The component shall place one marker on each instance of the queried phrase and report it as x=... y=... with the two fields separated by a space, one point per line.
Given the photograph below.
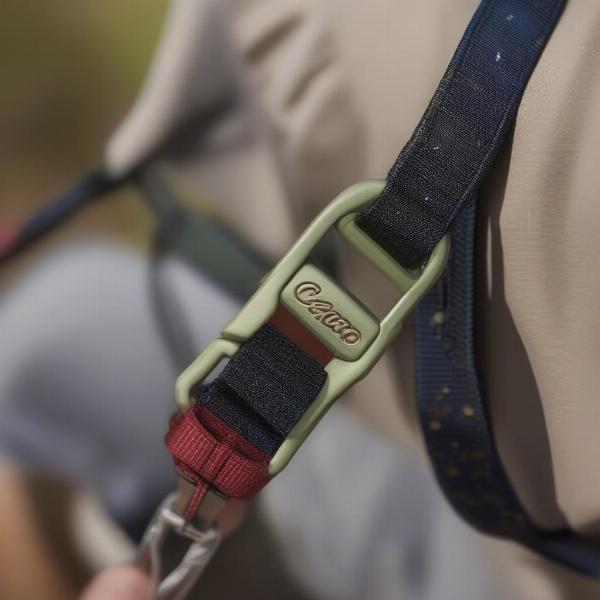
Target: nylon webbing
x=17 y=237
x=454 y=418
x=439 y=171
x=462 y=129
x=265 y=388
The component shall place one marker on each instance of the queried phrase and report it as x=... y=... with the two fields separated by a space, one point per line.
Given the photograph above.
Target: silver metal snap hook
x=203 y=544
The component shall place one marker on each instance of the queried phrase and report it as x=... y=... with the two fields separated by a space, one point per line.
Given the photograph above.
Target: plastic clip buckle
x=355 y=337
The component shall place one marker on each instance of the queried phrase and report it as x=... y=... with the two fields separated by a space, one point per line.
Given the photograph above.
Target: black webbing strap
x=462 y=129
x=265 y=388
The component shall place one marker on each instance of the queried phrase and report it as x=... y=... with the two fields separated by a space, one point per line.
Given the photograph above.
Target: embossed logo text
x=325 y=312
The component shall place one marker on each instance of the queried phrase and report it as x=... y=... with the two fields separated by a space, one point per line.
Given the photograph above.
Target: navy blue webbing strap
x=455 y=423
x=91 y=186
x=462 y=129
x=436 y=175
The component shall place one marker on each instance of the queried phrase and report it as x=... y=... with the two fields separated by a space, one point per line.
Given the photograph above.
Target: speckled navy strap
x=462 y=129
x=455 y=421
x=436 y=178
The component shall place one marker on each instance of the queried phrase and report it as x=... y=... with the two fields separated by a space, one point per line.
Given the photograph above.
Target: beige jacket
x=338 y=87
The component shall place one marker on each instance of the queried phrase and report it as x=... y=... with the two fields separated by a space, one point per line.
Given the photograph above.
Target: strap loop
x=208 y=451
x=454 y=145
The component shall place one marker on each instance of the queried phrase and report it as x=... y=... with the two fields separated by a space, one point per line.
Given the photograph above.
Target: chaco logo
x=324 y=311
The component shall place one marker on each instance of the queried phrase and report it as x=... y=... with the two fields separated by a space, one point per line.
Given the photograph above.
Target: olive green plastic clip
x=341 y=322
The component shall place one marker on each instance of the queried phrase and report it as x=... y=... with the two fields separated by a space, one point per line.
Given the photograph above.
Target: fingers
x=124 y=583
x=130 y=583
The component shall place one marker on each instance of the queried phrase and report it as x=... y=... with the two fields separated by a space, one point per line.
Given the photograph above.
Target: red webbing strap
x=287 y=323
x=210 y=453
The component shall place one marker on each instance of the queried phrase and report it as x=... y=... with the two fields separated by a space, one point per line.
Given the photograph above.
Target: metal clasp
x=344 y=369
x=203 y=544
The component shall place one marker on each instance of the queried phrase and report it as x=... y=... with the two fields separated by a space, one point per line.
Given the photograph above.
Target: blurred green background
x=70 y=72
